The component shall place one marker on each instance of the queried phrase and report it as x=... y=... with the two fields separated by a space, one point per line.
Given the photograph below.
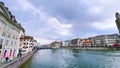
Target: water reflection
x=66 y=58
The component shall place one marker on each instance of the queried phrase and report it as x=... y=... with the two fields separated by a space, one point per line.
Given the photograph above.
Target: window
x=0 y=52
x=1 y=10
x=24 y=43
x=0 y=22
x=4 y=30
x=7 y=42
x=12 y=43
x=1 y=42
x=31 y=43
x=15 y=43
x=3 y=34
x=9 y=35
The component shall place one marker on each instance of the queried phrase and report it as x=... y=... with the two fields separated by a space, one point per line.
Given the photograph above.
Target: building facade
x=9 y=33
x=74 y=42
x=35 y=43
x=105 y=40
x=27 y=44
x=55 y=44
x=86 y=42
x=66 y=43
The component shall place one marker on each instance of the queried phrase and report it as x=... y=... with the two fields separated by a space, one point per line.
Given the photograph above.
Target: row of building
x=12 y=36
x=96 y=41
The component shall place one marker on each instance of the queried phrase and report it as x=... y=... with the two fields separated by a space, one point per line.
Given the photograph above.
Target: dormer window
x=1 y=3
x=13 y=18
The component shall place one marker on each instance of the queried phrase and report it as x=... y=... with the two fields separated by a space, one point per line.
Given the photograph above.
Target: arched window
x=10 y=53
x=13 y=53
x=5 y=54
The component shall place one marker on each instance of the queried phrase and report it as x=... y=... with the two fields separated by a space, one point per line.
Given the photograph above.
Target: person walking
x=6 y=59
x=11 y=58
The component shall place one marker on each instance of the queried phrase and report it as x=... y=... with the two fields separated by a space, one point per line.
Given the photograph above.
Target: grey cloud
x=66 y=11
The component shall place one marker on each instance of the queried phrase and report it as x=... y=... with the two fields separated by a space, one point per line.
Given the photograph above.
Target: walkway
x=3 y=63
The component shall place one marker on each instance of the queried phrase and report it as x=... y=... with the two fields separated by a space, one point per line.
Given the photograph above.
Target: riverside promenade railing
x=19 y=61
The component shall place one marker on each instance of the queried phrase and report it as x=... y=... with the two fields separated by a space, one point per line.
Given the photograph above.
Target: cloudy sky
x=49 y=20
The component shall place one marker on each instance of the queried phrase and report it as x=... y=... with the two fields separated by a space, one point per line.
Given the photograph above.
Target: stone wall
x=19 y=61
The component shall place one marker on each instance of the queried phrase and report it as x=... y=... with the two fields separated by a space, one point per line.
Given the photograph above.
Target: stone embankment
x=94 y=48
x=19 y=61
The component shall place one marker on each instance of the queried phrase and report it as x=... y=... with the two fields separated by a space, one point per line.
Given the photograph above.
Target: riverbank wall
x=19 y=61
x=94 y=48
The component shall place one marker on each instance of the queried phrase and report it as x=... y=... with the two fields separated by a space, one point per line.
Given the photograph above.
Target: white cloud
x=95 y=10
x=101 y=6
x=106 y=10
x=86 y=35
x=45 y=27
x=105 y=24
x=52 y=25
x=62 y=29
x=44 y=41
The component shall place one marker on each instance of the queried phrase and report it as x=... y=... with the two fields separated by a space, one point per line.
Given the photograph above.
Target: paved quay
x=3 y=63
x=17 y=62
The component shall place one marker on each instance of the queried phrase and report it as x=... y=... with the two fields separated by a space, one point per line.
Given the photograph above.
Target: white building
x=107 y=40
x=66 y=42
x=9 y=33
x=55 y=44
x=27 y=44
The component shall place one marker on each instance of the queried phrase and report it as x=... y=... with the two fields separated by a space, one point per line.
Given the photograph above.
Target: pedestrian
x=6 y=59
x=20 y=55
x=17 y=55
x=11 y=58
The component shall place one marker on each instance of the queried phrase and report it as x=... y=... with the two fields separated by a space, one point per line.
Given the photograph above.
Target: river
x=66 y=58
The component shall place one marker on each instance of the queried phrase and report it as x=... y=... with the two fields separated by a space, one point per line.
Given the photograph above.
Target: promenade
x=2 y=64
x=14 y=59
x=16 y=62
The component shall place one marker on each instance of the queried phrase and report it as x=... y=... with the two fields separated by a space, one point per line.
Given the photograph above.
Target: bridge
x=44 y=47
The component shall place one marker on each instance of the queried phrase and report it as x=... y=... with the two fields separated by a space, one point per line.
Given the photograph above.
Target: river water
x=66 y=58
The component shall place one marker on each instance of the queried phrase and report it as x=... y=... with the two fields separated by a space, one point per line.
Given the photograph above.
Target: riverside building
x=105 y=40
x=55 y=44
x=35 y=43
x=27 y=44
x=66 y=43
x=10 y=32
